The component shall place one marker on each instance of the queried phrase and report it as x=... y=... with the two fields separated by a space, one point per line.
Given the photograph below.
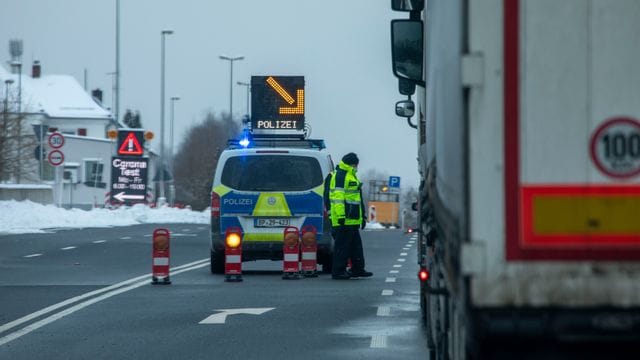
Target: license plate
x=263 y=222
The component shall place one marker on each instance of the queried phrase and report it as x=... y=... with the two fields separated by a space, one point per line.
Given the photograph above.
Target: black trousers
x=348 y=245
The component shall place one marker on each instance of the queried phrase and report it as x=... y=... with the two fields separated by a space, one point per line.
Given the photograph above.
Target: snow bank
x=374 y=226
x=19 y=217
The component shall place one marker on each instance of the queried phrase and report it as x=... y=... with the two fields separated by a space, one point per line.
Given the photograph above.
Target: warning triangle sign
x=130 y=146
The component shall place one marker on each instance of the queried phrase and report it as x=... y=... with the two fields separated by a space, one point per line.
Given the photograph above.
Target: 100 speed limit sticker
x=615 y=147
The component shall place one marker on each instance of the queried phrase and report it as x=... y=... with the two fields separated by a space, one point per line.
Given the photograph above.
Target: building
x=45 y=104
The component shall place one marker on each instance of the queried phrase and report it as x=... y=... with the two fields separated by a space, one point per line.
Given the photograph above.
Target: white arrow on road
x=221 y=317
x=122 y=197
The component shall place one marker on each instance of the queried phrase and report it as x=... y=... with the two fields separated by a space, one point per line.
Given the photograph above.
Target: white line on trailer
x=387 y=292
x=378 y=341
x=109 y=290
x=383 y=311
x=32 y=255
x=390 y=279
x=68 y=248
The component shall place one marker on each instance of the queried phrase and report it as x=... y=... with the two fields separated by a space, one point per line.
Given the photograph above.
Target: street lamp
x=162 y=198
x=248 y=86
x=172 y=187
x=231 y=60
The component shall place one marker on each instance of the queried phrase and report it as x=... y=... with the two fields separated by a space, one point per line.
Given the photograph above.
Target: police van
x=263 y=185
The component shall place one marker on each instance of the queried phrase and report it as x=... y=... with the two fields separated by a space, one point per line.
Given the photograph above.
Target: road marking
x=221 y=317
x=411 y=242
x=403 y=254
x=178 y=235
x=390 y=279
x=378 y=341
x=148 y=235
x=393 y=272
x=383 y=311
x=187 y=230
x=402 y=260
x=32 y=255
x=387 y=292
x=68 y=248
x=100 y=241
x=109 y=290
x=397 y=265
x=406 y=248
x=125 y=238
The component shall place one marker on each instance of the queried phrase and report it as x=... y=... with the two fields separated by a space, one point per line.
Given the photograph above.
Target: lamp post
x=172 y=187
x=17 y=68
x=248 y=86
x=163 y=34
x=231 y=60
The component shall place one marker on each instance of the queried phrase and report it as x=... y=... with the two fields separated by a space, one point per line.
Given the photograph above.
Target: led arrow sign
x=272 y=105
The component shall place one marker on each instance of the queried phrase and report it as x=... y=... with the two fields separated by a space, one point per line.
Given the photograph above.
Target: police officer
x=347 y=216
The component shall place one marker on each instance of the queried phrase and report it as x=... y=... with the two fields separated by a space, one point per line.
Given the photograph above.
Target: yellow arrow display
x=298 y=109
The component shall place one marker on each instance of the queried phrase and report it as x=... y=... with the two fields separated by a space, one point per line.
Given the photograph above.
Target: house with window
x=58 y=103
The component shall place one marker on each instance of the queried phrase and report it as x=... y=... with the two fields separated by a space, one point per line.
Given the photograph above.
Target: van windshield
x=272 y=173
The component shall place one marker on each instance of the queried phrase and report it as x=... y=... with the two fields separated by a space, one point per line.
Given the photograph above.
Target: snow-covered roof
x=57 y=96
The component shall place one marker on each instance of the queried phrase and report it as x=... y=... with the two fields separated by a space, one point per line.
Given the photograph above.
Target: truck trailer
x=528 y=131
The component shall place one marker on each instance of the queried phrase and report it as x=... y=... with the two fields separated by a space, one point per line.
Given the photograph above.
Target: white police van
x=263 y=185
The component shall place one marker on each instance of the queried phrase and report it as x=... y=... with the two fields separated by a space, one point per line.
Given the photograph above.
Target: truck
x=383 y=203
x=528 y=131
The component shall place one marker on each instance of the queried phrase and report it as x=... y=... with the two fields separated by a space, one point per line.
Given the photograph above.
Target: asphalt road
x=78 y=294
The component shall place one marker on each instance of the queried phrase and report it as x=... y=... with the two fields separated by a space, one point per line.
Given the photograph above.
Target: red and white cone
x=291 y=254
x=160 y=257
x=309 y=251
x=233 y=254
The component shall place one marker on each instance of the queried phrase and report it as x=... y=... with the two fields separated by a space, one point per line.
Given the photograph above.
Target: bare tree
x=197 y=158
x=17 y=145
x=409 y=196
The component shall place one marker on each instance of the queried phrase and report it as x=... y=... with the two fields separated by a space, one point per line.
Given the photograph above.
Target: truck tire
x=217 y=263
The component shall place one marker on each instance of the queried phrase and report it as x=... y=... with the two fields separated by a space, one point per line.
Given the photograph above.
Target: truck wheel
x=217 y=263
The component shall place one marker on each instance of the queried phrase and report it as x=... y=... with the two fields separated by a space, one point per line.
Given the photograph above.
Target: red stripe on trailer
x=515 y=206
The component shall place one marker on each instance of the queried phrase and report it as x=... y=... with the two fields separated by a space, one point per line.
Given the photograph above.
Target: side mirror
x=406 y=87
x=407 y=50
x=405 y=108
x=414 y=206
x=407 y=5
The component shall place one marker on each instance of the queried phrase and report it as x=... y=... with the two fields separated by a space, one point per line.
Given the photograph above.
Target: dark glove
x=341 y=222
x=363 y=224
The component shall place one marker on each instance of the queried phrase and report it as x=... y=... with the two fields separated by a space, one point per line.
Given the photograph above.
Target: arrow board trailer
x=277 y=105
x=529 y=154
x=129 y=178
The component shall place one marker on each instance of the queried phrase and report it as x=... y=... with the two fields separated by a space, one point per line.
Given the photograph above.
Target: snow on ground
x=20 y=217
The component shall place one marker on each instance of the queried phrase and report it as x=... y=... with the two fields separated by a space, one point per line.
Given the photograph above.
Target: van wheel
x=217 y=263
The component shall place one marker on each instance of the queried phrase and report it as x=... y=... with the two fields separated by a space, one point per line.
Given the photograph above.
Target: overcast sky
x=341 y=47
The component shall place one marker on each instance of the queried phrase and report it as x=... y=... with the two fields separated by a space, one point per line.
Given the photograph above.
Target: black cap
x=350 y=159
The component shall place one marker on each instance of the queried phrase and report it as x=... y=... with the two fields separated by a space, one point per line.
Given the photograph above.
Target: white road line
x=177 y=270
x=390 y=279
x=397 y=265
x=125 y=238
x=403 y=254
x=100 y=241
x=411 y=242
x=387 y=292
x=148 y=235
x=402 y=260
x=32 y=255
x=186 y=230
x=393 y=272
x=378 y=341
x=383 y=311
x=68 y=248
x=406 y=248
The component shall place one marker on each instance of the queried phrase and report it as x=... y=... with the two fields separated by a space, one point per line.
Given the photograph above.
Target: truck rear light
x=423 y=275
x=215 y=205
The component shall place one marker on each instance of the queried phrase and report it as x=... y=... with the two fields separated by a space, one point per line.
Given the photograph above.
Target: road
x=75 y=294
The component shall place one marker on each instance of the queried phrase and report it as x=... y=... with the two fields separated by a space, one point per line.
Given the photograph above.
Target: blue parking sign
x=394 y=181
